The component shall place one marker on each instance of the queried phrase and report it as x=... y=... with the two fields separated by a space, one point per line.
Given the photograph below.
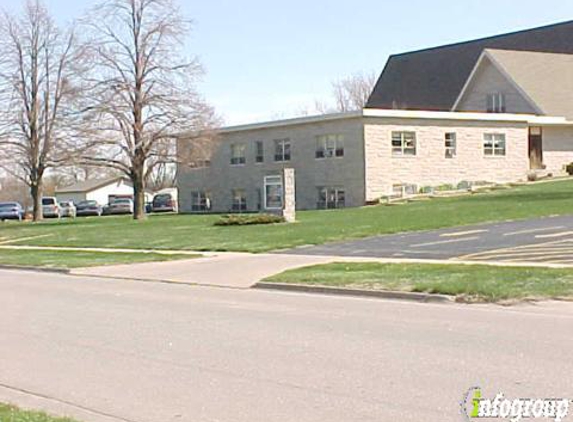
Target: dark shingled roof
x=432 y=79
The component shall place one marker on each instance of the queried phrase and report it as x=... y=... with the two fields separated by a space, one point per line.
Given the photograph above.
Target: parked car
x=50 y=207
x=11 y=211
x=164 y=202
x=68 y=209
x=89 y=208
x=121 y=206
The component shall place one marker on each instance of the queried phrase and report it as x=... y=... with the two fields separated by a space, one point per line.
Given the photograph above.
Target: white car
x=50 y=207
x=121 y=206
x=68 y=209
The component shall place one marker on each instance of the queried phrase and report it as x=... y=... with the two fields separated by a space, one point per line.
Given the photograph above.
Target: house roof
x=432 y=79
x=546 y=79
x=91 y=185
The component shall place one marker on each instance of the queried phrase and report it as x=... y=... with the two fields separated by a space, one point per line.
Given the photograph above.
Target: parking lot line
x=547 y=236
x=463 y=233
x=500 y=251
x=544 y=229
x=441 y=242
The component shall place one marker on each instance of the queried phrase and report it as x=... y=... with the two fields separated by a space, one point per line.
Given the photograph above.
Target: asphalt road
x=548 y=239
x=107 y=350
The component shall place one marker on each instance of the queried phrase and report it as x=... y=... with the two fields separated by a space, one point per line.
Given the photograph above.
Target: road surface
x=106 y=350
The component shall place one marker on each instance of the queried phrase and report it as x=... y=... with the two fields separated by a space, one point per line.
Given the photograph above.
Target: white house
x=102 y=190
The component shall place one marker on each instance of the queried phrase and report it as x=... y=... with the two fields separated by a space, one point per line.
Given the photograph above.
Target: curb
x=35 y=269
x=382 y=294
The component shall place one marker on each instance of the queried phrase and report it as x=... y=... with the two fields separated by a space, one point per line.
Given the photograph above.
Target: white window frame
x=329 y=146
x=203 y=203
x=336 y=192
x=242 y=203
x=282 y=144
x=498 y=144
x=403 y=138
x=273 y=180
x=450 y=145
x=495 y=102
x=241 y=158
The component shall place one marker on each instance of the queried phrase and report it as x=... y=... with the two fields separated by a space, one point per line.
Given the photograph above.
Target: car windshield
x=8 y=205
x=87 y=203
x=162 y=199
x=121 y=201
x=48 y=201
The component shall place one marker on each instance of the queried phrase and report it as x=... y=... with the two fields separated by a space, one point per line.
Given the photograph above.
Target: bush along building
x=495 y=109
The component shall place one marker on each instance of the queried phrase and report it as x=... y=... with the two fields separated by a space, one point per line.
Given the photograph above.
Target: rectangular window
x=329 y=146
x=259 y=152
x=282 y=150
x=403 y=190
x=273 y=192
x=239 y=200
x=450 y=145
x=330 y=197
x=494 y=144
x=200 y=201
x=496 y=103
x=403 y=143
x=238 y=156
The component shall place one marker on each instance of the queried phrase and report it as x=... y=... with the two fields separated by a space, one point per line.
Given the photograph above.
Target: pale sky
x=266 y=59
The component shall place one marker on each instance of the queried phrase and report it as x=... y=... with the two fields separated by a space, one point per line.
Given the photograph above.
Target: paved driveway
x=117 y=351
x=542 y=240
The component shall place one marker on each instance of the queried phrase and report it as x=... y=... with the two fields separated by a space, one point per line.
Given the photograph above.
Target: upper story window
x=450 y=145
x=496 y=102
x=259 y=152
x=403 y=143
x=282 y=150
x=494 y=144
x=238 y=155
x=329 y=146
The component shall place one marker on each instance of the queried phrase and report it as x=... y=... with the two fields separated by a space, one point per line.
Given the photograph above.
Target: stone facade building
x=507 y=111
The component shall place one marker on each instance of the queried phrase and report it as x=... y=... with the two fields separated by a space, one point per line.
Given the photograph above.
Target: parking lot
x=542 y=240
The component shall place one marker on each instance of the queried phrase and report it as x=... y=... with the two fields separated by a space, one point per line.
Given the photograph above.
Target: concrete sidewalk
x=243 y=270
x=238 y=270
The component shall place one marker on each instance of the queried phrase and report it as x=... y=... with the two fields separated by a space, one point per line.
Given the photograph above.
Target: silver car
x=11 y=211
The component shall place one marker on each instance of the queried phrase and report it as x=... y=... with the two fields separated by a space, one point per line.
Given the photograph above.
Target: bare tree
x=38 y=68
x=143 y=88
x=352 y=93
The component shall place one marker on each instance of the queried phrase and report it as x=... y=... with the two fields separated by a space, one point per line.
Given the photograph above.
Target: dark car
x=11 y=211
x=164 y=202
x=89 y=208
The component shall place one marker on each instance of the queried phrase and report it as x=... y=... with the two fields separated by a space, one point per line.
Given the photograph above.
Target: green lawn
x=473 y=283
x=72 y=259
x=197 y=232
x=13 y=414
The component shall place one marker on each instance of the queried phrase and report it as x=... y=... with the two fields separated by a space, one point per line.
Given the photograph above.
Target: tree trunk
x=138 y=195
x=36 y=192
